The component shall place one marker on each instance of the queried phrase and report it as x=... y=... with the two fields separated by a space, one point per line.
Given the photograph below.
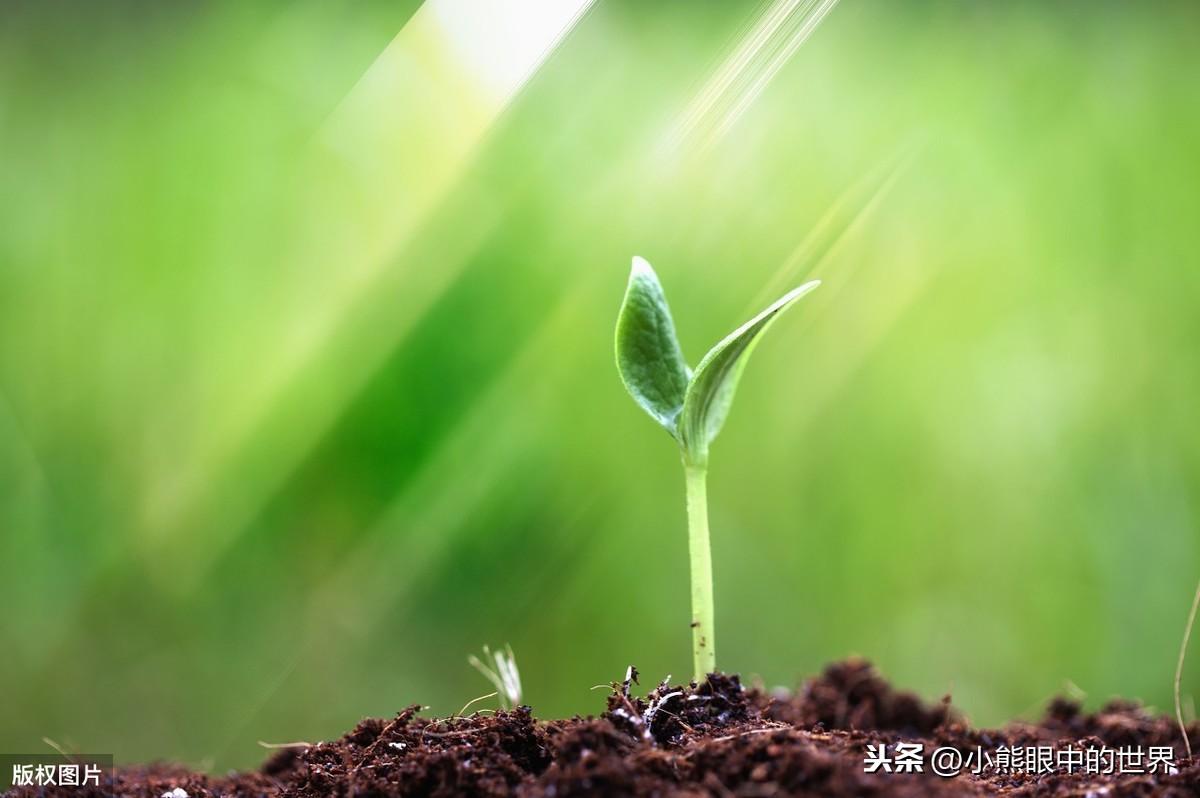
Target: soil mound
x=844 y=733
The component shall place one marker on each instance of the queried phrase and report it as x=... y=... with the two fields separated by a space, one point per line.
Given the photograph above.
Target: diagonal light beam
x=425 y=518
x=832 y=230
x=752 y=64
x=384 y=160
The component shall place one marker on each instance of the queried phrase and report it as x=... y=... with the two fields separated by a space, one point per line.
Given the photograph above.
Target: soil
x=719 y=739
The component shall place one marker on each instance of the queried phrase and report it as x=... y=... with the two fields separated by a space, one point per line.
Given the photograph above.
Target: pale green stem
x=701 y=559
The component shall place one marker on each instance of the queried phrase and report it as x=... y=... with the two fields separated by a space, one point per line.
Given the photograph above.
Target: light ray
x=383 y=161
x=423 y=521
x=831 y=231
x=752 y=64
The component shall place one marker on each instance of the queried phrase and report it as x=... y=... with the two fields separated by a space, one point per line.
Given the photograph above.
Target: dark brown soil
x=719 y=739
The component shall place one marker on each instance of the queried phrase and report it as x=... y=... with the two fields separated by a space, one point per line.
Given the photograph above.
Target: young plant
x=691 y=406
x=502 y=673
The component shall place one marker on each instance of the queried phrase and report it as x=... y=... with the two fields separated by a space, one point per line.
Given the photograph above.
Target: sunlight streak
x=426 y=519
x=380 y=166
x=752 y=64
x=832 y=230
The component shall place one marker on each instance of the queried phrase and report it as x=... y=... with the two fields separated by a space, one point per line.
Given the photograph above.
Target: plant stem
x=700 y=553
x=1187 y=632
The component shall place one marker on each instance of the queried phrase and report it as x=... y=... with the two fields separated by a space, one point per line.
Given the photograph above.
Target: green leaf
x=710 y=390
x=648 y=354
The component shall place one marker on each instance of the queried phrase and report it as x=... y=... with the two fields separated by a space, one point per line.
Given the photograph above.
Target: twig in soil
x=297 y=744
x=1187 y=632
x=455 y=733
x=771 y=730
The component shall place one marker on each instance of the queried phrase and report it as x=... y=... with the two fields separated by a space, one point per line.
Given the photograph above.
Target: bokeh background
x=306 y=375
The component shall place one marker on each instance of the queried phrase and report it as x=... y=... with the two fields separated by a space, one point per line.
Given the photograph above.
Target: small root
x=1187 y=633
x=463 y=711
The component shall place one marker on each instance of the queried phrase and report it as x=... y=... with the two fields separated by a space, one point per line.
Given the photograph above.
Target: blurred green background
x=303 y=401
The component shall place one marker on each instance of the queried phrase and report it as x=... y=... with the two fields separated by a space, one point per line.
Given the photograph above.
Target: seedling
x=502 y=672
x=691 y=406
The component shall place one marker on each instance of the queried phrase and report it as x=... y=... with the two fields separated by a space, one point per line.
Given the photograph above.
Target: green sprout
x=500 y=668
x=691 y=406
